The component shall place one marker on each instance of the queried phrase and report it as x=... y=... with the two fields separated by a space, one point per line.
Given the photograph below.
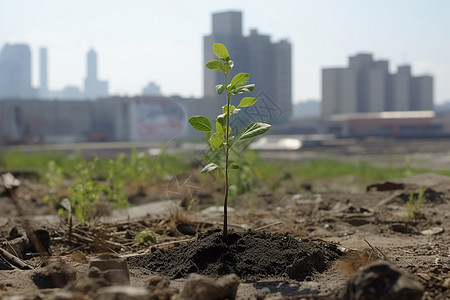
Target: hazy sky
x=138 y=41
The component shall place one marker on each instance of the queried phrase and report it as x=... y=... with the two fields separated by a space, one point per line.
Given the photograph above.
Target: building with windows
x=367 y=86
x=15 y=72
x=268 y=63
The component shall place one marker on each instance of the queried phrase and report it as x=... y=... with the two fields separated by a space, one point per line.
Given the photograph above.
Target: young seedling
x=414 y=203
x=221 y=137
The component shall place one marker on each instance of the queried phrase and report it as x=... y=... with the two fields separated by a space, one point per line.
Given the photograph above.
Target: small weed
x=85 y=192
x=414 y=203
x=115 y=188
x=407 y=171
x=145 y=237
x=53 y=177
x=139 y=168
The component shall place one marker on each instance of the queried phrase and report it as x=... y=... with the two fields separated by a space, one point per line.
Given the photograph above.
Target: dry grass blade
x=376 y=250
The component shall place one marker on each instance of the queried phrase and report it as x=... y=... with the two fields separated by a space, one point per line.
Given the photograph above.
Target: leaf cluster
x=222 y=136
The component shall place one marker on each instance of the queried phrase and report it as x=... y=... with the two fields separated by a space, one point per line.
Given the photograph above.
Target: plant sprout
x=221 y=137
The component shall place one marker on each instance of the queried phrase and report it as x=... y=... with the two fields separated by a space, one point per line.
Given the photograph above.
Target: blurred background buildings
x=268 y=63
x=367 y=85
x=362 y=99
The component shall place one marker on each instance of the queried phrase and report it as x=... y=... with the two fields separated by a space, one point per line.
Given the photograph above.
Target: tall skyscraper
x=94 y=88
x=15 y=72
x=367 y=86
x=43 y=75
x=92 y=65
x=268 y=63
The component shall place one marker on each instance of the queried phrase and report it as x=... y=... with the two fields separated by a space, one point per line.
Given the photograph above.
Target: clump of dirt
x=250 y=255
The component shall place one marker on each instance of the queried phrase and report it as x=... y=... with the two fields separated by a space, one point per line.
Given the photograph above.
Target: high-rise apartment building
x=43 y=74
x=422 y=93
x=268 y=63
x=15 y=72
x=367 y=86
x=94 y=88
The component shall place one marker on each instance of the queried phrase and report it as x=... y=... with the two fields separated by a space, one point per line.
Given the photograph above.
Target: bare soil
x=302 y=245
x=249 y=254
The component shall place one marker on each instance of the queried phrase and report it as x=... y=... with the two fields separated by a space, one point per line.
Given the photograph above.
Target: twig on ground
x=158 y=246
x=268 y=225
x=14 y=260
x=389 y=199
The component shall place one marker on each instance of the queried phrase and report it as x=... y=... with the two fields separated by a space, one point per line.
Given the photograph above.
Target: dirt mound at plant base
x=249 y=254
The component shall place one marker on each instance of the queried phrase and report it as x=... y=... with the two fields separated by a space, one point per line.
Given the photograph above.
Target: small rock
x=110 y=267
x=88 y=286
x=57 y=274
x=199 y=287
x=158 y=287
x=43 y=238
x=432 y=231
x=187 y=229
x=8 y=181
x=382 y=281
x=124 y=292
x=403 y=228
x=79 y=256
x=94 y=272
x=157 y=281
x=385 y=186
x=14 y=233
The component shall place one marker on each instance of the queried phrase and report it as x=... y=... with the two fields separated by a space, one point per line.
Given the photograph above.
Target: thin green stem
x=227 y=148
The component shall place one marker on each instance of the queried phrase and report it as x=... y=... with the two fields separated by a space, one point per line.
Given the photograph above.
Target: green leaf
x=226 y=67
x=221 y=119
x=243 y=89
x=224 y=108
x=239 y=80
x=220 y=88
x=216 y=140
x=221 y=52
x=209 y=168
x=234 y=166
x=200 y=123
x=65 y=203
x=219 y=126
x=214 y=65
x=254 y=129
x=247 y=101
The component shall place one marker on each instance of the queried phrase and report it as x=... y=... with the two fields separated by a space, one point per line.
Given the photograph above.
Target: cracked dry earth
x=295 y=246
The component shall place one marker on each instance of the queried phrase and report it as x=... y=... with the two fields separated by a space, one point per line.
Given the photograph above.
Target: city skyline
x=142 y=41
